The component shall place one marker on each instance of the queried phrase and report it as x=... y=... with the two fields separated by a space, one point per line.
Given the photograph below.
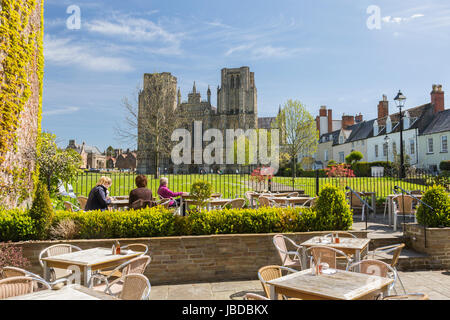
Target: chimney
x=330 y=121
x=347 y=121
x=383 y=108
x=359 y=118
x=323 y=111
x=318 y=123
x=437 y=98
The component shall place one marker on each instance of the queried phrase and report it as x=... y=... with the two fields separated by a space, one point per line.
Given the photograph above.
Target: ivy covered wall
x=21 y=83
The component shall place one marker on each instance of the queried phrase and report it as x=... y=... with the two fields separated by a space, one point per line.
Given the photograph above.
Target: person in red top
x=165 y=193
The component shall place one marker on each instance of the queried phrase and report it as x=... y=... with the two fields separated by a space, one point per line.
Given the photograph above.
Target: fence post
x=317 y=183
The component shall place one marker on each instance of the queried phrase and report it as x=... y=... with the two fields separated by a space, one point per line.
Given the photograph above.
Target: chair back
x=136 y=265
x=9 y=272
x=254 y=296
x=54 y=251
x=216 y=195
x=135 y=287
x=235 y=203
x=404 y=204
x=163 y=202
x=268 y=273
x=82 y=201
x=293 y=194
x=18 y=286
x=375 y=268
x=68 y=206
x=411 y=296
x=396 y=255
x=280 y=245
x=355 y=201
x=141 y=204
x=137 y=247
x=327 y=255
x=264 y=202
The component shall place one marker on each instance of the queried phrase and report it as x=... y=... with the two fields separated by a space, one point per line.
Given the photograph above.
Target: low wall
x=437 y=245
x=193 y=259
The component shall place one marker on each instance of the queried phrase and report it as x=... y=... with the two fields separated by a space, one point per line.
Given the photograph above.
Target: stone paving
x=434 y=283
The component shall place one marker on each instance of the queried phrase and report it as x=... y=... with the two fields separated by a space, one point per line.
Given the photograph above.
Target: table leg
x=46 y=271
x=374 y=205
x=390 y=210
x=87 y=272
x=273 y=295
x=358 y=259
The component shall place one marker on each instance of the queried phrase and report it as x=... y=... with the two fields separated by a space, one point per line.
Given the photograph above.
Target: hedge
x=157 y=222
x=437 y=198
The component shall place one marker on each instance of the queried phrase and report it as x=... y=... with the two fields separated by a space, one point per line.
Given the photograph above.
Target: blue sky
x=320 y=52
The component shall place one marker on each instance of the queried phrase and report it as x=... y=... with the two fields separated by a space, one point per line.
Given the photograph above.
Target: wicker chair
x=397 y=250
x=82 y=201
x=137 y=247
x=310 y=203
x=290 y=259
x=250 y=199
x=57 y=249
x=329 y=255
x=403 y=206
x=411 y=296
x=135 y=287
x=112 y=283
x=216 y=195
x=18 y=286
x=163 y=202
x=254 y=296
x=235 y=203
x=71 y=207
x=375 y=268
x=264 y=201
x=9 y=272
x=268 y=273
x=293 y=194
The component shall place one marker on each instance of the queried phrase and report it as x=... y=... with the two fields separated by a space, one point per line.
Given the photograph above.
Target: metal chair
x=9 y=272
x=114 y=287
x=288 y=258
x=135 y=287
x=403 y=206
x=71 y=207
x=309 y=203
x=269 y=273
x=18 y=286
x=331 y=256
x=375 y=268
x=163 y=202
x=57 y=249
x=137 y=247
x=249 y=197
x=235 y=204
x=266 y=202
x=293 y=194
x=397 y=250
x=216 y=195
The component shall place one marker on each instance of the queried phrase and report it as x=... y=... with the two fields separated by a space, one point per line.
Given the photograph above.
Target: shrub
x=12 y=256
x=333 y=211
x=437 y=198
x=445 y=165
x=16 y=225
x=354 y=157
x=65 y=229
x=200 y=192
x=41 y=211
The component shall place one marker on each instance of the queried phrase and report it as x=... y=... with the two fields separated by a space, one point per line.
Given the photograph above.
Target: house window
x=326 y=155
x=362 y=142
x=412 y=146
x=430 y=145
x=376 y=151
x=385 y=149
x=341 y=157
x=444 y=144
x=341 y=139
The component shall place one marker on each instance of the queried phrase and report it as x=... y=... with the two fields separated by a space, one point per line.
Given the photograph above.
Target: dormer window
x=406 y=120
x=341 y=140
x=388 y=125
x=376 y=129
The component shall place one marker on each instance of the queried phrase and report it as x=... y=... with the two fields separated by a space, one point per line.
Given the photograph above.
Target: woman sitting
x=140 y=197
x=165 y=193
x=98 y=197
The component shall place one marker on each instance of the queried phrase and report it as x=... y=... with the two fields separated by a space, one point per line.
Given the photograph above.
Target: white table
x=71 y=292
x=87 y=261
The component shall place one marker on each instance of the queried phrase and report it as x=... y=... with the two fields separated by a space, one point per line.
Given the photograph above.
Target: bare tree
x=151 y=118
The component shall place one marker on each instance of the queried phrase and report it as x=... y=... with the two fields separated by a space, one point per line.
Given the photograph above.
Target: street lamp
x=400 y=101
x=386 y=141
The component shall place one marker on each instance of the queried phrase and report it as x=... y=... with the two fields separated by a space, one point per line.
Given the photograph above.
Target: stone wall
x=193 y=259
x=437 y=244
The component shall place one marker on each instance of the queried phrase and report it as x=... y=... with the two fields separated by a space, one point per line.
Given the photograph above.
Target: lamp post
x=386 y=141
x=400 y=101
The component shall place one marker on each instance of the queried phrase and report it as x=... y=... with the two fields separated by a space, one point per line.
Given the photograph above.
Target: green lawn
x=236 y=185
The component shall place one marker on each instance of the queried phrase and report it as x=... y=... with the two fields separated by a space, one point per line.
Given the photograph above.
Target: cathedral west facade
x=237 y=108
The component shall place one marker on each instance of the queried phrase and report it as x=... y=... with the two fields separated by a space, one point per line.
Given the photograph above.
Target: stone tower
x=165 y=86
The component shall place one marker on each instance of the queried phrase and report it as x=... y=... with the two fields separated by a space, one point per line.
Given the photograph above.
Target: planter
x=437 y=243
x=193 y=259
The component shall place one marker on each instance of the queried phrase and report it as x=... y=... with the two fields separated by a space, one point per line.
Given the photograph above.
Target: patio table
x=258 y=194
x=291 y=201
x=211 y=203
x=71 y=292
x=87 y=261
x=119 y=203
x=353 y=246
x=343 y=285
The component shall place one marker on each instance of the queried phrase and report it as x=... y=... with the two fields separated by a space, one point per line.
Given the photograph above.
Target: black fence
x=236 y=184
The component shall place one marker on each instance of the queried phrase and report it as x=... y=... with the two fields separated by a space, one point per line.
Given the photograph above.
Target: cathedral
x=237 y=108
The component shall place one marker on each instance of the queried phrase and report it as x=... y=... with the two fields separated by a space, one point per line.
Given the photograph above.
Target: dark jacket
x=143 y=194
x=97 y=199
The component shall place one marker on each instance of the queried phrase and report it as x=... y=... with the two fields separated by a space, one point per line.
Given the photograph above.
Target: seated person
x=98 y=197
x=165 y=193
x=140 y=197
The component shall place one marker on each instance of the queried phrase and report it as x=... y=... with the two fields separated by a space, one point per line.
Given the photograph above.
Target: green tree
x=354 y=157
x=56 y=164
x=297 y=131
x=41 y=211
x=110 y=151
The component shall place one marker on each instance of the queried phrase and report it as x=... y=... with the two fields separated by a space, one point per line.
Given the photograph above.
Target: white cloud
x=266 y=51
x=62 y=51
x=398 y=20
x=66 y=110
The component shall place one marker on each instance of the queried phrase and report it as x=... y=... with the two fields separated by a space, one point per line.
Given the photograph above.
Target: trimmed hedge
x=159 y=222
x=445 y=165
x=333 y=210
x=437 y=198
